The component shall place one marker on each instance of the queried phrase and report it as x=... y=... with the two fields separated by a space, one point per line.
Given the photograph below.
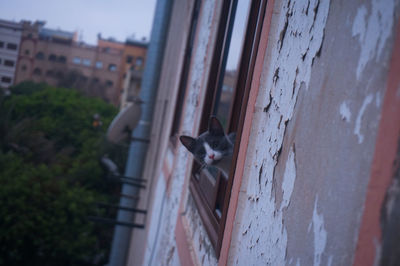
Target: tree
x=51 y=177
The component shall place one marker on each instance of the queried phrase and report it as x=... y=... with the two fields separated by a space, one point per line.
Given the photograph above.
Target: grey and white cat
x=213 y=147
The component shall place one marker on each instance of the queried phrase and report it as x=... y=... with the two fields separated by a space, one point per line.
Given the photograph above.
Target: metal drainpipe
x=138 y=149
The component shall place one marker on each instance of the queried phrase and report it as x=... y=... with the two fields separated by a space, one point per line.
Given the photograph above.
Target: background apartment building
x=59 y=59
x=10 y=38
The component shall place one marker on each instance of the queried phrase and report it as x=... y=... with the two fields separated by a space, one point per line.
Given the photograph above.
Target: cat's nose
x=211 y=156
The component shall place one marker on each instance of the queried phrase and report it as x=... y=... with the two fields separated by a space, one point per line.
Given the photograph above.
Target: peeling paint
x=320 y=234
x=345 y=112
x=289 y=178
x=299 y=37
x=357 y=128
x=373 y=29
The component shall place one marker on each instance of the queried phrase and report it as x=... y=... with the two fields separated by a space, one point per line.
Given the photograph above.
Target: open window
x=226 y=97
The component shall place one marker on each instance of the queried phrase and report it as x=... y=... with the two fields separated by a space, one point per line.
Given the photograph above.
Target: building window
x=12 y=46
x=129 y=59
x=86 y=62
x=227 y=92
x=23 y=67
x=99 y=64
x=139 y=61
x=109 y=83
x=112 y=67
x=76 y=60
x=52 y=57
x=1 y=44
x=9 y=63
x=27 y=52
x=62 y=59
x=37 y=72
x=6 y=80
x=185 y=72
x=40 y=56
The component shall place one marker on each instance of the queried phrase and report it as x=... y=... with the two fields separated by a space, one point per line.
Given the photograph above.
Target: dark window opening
x=52 y=57
x=9 y=63
x=129 y=59
x=12 y=46
x=109 y=83
x=112 y=67
x=62 y=59
x=40 y=55
x=37 y=72
x=1 y=44
x=6 y=80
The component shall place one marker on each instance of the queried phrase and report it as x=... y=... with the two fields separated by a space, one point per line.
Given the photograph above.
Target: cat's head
x=211 y=146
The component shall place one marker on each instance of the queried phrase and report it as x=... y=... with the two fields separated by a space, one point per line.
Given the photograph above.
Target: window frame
x=214 y=227
x=190 y=41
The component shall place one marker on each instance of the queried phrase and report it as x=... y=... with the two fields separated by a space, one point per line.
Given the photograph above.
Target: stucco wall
x=313 y=134
x=312 y=138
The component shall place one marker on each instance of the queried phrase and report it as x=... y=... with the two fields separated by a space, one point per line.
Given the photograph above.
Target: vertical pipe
x=138 y=149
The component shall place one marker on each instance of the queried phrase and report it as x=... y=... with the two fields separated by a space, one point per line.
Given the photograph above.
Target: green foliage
x=50 y=177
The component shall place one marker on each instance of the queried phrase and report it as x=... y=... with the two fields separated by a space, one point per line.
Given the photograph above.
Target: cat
x=212 y=147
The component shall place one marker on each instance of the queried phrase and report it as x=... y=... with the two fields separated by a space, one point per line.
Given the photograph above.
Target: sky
x=112 y=18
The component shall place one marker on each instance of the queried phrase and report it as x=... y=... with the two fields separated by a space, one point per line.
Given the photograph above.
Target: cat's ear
x=215 y=127
x=188 y=142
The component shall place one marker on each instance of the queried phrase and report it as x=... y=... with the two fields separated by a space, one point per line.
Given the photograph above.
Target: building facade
x=10 y=38
x=312 y=90
x=57 y=58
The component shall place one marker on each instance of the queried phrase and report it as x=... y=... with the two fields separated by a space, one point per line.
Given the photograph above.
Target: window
x=86 y=62
x=52 y=57
x=227 y=92
x=109 y=83
x=40 y=55
x=11 y=46
x=27 y=52
x=62 y=59
x=9 y=63
x=23 y=67
x=129 y=59
x=139 y=61
x=1 y=44
x=99 y=64
x=112 y=67
x=37 y=72
x=6 y=80
x=76 y=60
x=185 y=72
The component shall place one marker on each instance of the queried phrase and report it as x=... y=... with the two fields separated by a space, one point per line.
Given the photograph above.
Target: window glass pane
x=228 y=79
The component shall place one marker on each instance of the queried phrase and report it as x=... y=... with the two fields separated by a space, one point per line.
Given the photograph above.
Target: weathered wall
x=168 y=166
x=313 y=133
x=311 y=143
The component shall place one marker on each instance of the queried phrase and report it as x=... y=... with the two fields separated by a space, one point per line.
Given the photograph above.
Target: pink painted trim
x=237 y=181
x=382 y=164
x=182 y=243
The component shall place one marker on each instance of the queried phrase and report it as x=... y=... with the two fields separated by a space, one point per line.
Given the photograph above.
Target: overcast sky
x=112 y=18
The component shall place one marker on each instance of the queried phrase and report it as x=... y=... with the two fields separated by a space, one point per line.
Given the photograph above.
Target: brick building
x=57 y=58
